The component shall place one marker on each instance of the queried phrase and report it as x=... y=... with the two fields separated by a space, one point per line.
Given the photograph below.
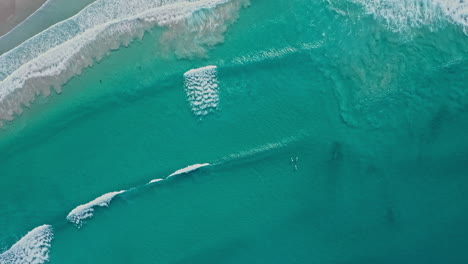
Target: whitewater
x=202 y=131
x=62 y=51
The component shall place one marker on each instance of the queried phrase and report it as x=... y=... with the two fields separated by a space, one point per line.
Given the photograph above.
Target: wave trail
x=275 y=53
x=86 y=211
x=260 y=149
x=33 y=248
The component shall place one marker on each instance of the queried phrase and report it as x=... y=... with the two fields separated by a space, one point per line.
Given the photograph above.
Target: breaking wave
x=188 y=169
x=182 y=171
x=402 y=15
x=33 y=248
x=52 y=57
x=155 y=180
x=201 y=86
x=86 y=211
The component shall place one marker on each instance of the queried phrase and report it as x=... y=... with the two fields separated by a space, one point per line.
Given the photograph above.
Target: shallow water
x=326 y=132
x=13 y=12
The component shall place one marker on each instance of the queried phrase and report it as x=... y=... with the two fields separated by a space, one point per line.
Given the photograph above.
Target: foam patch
x=85 y=211
x=201 y=86
x=33 y=248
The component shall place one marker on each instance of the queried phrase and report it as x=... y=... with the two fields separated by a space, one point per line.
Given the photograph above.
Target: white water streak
x=402 y=15
x=86 y=211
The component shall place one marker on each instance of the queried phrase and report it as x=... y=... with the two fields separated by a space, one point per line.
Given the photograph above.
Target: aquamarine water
x=292 y=131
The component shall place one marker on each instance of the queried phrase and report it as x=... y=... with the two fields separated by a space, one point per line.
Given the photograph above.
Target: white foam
x=33 y=248
x=94 y=17
x=402 y=15
x=189 y=169
x=155 y=180
x=275 y=53
x=201 y=86
x=86 y=211
x=41 y=19
x=52 y=57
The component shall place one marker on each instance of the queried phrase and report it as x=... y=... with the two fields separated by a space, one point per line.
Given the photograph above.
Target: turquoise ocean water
x=327 y=131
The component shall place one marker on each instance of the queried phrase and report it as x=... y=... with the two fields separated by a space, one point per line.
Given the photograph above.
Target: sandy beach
x=12 y=12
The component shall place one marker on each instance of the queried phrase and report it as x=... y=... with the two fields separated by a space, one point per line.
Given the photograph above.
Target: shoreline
x=13 y=12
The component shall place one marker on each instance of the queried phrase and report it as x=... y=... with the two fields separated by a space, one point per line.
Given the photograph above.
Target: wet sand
x=13 y=12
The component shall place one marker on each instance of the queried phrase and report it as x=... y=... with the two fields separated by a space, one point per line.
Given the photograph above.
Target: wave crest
x=403 y=15
x=86 y=211
x=33 y=248
x=201 y=87
x=54 y=56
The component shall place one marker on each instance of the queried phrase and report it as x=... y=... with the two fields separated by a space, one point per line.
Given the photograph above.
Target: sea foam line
x=188 y=169
x=33 y=248
x=238 y=155
x=275 y=53
x=85 y=211
x=92 y=17
x=33 y=68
